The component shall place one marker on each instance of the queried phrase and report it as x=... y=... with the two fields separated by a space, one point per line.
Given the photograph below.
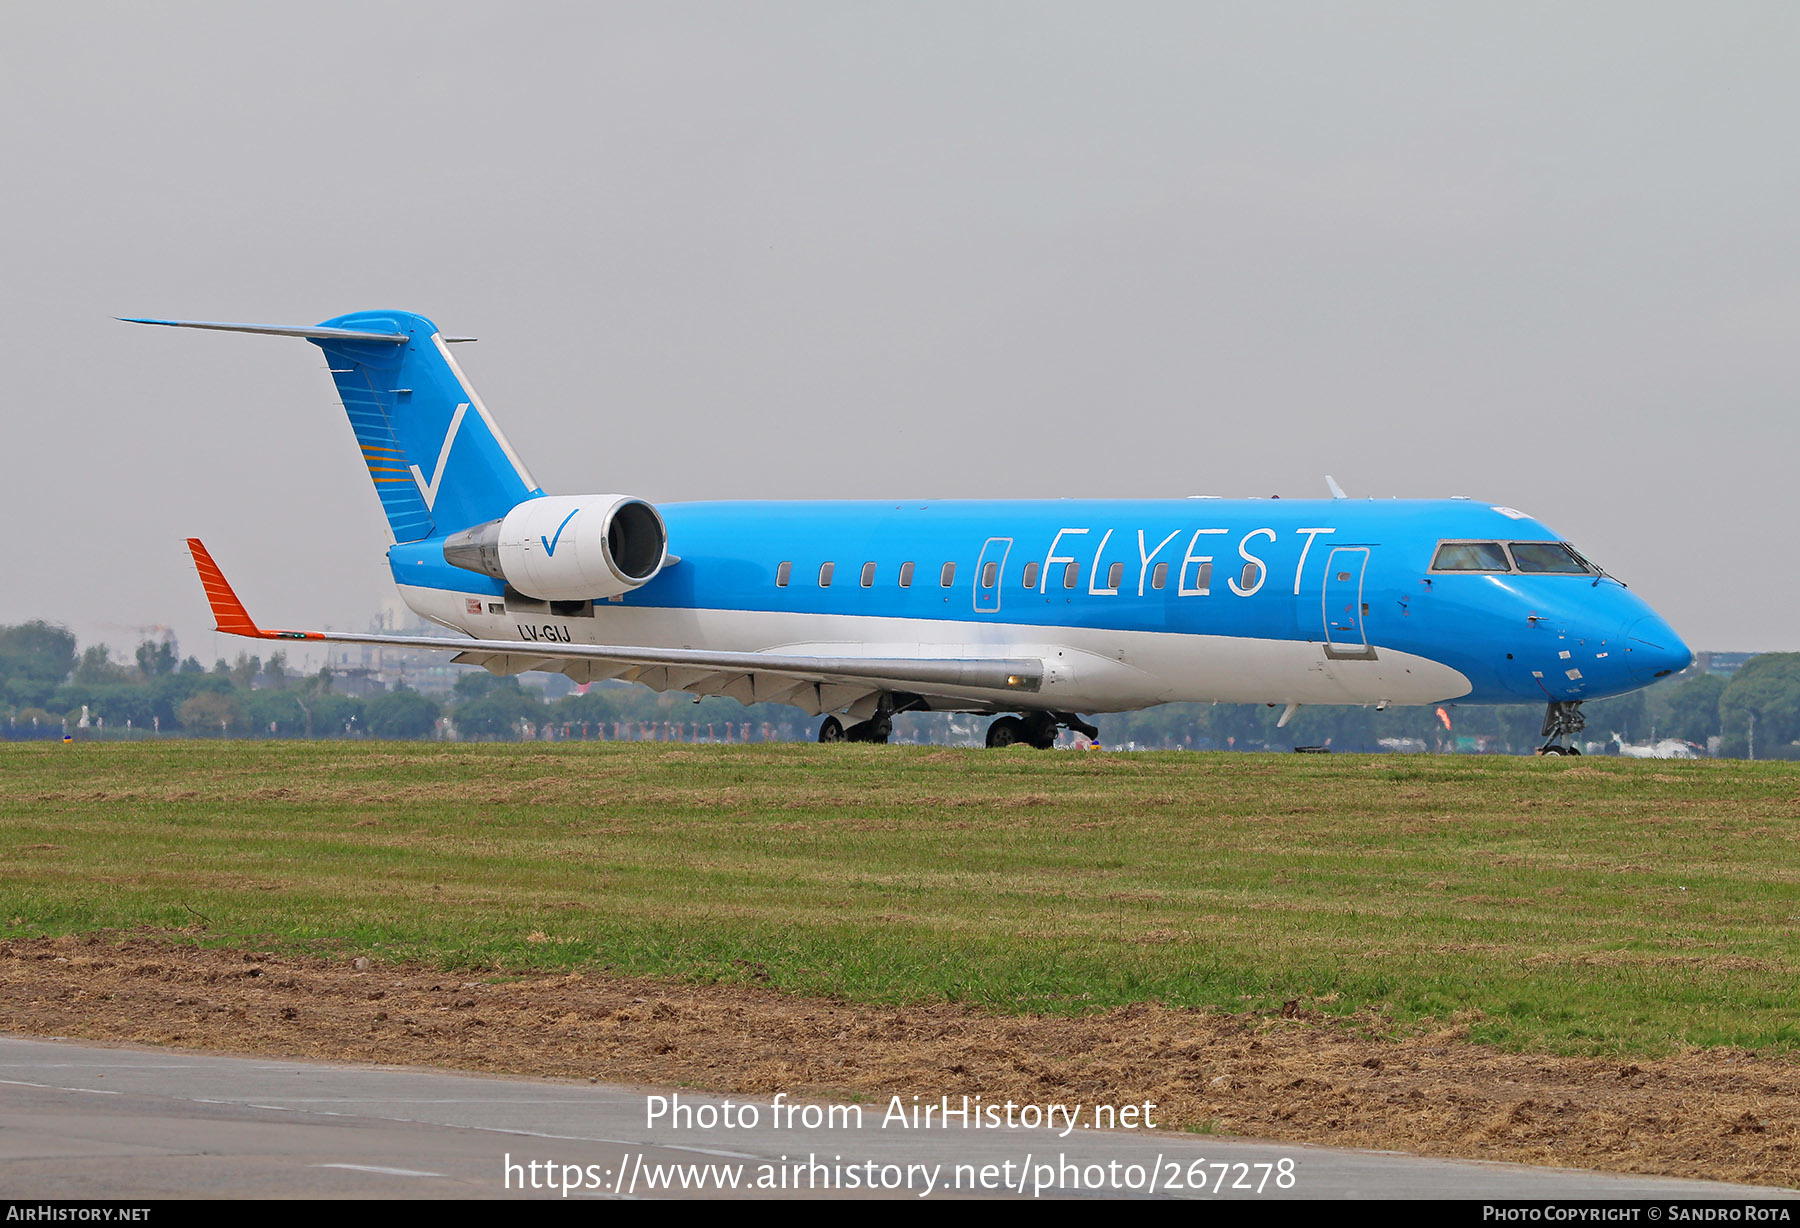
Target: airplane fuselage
x=1130 y=602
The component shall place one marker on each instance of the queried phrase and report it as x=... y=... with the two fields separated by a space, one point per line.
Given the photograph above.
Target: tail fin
x=439 y=462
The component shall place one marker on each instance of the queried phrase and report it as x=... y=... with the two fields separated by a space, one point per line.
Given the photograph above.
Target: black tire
x=1574 y=750
x=874 y=732
x=1547 y=751
x=1007 y=731
x=1039 y=731
x=831 y=731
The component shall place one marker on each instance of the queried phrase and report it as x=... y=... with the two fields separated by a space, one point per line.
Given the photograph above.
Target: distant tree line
x=1687 y=710
x=1755 y=713
x=46 y=681
x=45 y=684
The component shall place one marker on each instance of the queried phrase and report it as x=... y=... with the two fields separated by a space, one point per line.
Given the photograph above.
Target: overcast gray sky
x=1541 y=254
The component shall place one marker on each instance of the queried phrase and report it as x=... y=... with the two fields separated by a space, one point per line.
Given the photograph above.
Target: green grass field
x=1576 y=906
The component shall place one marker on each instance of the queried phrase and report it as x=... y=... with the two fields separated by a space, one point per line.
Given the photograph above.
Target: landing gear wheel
x=875 y=730
x=1039 y=729
x=831 y=731
x=1562 y=719
x=1007 y=731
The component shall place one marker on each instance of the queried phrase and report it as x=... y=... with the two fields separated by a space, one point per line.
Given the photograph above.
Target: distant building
x=1725 y=664
x=372 y=669
x=369 y=669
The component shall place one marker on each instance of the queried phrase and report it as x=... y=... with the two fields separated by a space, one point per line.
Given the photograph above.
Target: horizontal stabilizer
x=435 y=455
x=312 y=332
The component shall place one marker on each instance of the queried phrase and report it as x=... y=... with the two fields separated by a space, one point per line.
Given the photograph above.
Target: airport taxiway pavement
x=78 y=1121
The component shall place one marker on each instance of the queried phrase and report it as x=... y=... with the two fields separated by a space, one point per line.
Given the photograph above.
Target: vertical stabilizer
x=438 y=461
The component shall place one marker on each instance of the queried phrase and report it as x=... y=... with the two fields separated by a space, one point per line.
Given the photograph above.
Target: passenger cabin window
x=825 y=570
x=782 y=574
x=1250 y=576
x=906 y=570
x=1159 y=575
x=1031 y=575
x=947 y=577
x=990 y=574
x=868 y=575
x=1548 y=557
x=1071 y=575
x=1114 y=574
x=1471 y=556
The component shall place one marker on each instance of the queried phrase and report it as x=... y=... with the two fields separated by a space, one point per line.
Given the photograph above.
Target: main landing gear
x=1037 y=729
x=876 y=729
x=1562 y=719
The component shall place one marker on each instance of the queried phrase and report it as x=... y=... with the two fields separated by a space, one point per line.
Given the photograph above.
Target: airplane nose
x=1654 y=650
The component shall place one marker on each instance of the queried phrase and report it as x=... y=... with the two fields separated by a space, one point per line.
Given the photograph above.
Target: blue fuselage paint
x=1353 y=576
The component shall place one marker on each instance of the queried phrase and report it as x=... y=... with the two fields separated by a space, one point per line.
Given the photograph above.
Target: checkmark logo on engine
x=550 y=542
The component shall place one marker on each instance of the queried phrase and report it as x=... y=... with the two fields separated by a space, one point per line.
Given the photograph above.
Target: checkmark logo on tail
x=550 y=542
x=429 y=490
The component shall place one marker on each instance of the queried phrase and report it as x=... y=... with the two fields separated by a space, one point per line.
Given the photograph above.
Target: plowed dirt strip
x=1300 y=1078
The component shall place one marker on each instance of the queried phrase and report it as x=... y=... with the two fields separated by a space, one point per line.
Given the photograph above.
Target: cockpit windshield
x=1551 y=557
x=1522 y=558
x=1471 y=556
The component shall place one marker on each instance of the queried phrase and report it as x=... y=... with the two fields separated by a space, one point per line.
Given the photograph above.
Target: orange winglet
x=228 y=611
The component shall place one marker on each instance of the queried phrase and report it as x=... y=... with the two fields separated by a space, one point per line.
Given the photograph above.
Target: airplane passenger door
x=989 y=572
x=1345 y=637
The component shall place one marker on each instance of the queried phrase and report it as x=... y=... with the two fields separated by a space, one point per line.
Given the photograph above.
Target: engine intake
x=567 y=547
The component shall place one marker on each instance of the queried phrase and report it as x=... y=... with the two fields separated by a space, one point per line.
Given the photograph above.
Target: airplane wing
x=817 y=684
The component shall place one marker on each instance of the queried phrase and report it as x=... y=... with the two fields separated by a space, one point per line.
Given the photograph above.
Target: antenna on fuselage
x=1337 y=492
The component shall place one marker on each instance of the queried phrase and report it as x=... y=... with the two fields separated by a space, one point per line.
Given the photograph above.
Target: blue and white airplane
x=1035 y=611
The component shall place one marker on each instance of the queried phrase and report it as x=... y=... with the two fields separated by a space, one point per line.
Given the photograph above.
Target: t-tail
x=438 y=461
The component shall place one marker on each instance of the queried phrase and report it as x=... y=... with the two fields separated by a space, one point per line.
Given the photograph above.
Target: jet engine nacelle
x=567 y=547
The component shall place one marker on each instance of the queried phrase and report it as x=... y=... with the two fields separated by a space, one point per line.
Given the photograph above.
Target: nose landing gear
x=1562 y=719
